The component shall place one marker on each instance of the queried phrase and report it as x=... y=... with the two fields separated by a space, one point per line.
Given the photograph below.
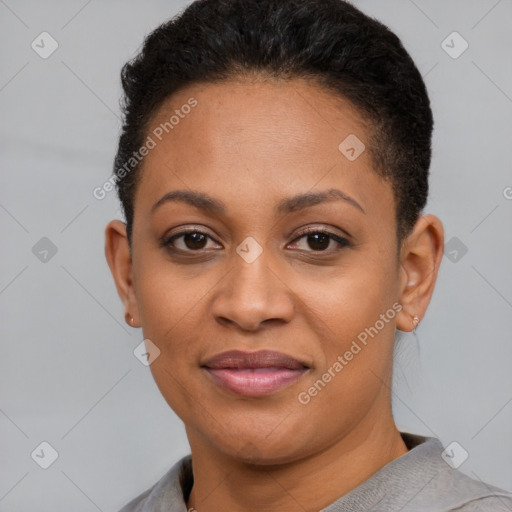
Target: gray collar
x=413 y=482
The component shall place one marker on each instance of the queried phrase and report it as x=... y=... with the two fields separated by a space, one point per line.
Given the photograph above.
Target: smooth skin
x=251 y=144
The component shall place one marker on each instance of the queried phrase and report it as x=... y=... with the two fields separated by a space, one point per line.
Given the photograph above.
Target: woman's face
x=267 y=156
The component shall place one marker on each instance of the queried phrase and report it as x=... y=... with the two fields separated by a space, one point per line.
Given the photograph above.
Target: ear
x=117 y=252
x=420 y=259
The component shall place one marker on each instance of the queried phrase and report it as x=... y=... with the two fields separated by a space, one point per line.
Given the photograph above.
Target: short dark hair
x=352 y=55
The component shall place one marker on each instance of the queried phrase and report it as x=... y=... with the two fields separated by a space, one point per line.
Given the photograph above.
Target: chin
x=256 y=449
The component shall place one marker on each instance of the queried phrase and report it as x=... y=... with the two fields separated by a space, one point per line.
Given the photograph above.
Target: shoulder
x=437 y=486
x=465 y=494
x=166 y=495
x=495 y=503
x=422 y=480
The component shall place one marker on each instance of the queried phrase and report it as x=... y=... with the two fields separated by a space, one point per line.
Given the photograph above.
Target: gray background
x=68 y=375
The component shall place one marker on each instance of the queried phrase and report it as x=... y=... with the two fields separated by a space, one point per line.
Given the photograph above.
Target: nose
x=252 y=294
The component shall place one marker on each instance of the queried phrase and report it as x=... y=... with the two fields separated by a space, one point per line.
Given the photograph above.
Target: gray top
x=418 y=481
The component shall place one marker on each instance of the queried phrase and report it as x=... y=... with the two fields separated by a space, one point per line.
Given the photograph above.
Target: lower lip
x=255 y=382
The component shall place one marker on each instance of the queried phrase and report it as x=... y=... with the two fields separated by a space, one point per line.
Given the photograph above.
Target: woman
x=273 y=168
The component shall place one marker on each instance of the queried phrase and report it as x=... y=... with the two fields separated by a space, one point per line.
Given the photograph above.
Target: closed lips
x=237 y=359
x=254 y=374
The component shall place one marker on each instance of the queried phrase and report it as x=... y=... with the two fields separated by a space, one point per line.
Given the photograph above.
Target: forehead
x=291 y=118
x=255 y=140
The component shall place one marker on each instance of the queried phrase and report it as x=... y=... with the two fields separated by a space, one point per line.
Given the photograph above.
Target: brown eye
x=319 y=240
x=194 y=240
x=191 y=240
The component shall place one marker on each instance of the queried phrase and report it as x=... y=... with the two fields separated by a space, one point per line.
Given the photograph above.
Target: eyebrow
x=211 y=205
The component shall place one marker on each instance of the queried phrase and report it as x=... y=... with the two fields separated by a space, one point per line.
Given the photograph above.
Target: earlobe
x=420 y=257
x=117 y=253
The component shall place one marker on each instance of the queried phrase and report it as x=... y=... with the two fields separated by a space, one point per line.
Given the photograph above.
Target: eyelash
x=342 y=242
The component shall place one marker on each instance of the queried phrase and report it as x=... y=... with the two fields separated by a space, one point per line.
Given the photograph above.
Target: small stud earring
x=415 y=321
x=128 y=318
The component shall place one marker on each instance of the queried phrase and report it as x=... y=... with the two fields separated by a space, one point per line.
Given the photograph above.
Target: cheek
x=353 y=317
x=355 y=352
x=347 y=300
x=168 y=298
x=170 y=310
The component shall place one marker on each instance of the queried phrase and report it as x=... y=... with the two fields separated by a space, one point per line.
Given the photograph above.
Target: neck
x=310 y=484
